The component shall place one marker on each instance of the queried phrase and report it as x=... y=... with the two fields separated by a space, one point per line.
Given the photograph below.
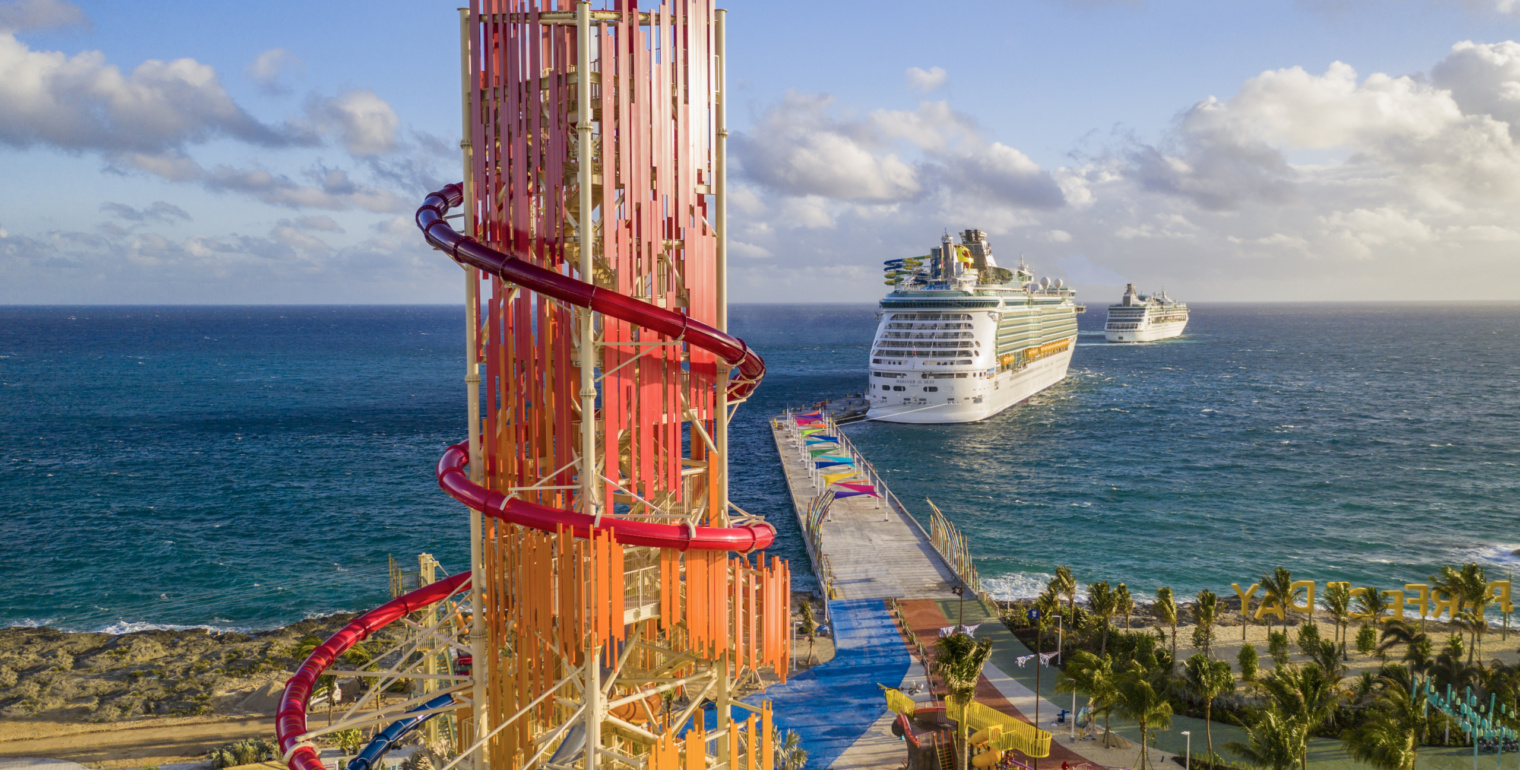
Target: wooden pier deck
x=872 y=548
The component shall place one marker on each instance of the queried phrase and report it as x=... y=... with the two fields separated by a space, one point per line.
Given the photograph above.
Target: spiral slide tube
x=385 y=739
x=731 y=350
x=290 y=720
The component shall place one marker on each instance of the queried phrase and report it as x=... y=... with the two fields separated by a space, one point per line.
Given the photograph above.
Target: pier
x=889 y=586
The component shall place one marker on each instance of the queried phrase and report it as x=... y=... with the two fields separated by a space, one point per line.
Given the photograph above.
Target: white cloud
x=83 y=103
x=326 y=188
x=268 y=66
x=798 y=148
x=1483 y=79
x=28 y=15
x=926 y=80
x=363 y=121
x=288 y=264
x=316 y=223
x=161 y=212
x=748 y=250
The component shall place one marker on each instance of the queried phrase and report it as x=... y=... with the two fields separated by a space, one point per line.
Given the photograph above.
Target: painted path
x=833 y=704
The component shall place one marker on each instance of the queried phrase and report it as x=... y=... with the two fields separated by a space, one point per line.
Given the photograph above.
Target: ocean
x=247 y=467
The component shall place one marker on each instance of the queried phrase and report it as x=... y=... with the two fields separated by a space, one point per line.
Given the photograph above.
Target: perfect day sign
x=1427 y=602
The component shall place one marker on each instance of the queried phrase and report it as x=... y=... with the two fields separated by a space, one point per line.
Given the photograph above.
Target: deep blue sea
x=247 y=467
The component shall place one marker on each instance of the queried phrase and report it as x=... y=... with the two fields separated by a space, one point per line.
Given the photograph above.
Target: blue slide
x=370 y=756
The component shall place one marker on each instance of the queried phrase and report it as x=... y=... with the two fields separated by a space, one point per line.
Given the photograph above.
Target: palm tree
x=1273 y=742
x=1417 y=645
x=1476 y=597
x=958 y=661
x=1306 y=696
x=1103 y=603
x=1278 y=587
x=1205 y=612
x=1064 y=584
x=1391 y=731
x=789 y=752
x=1166 y=610
x=1208 y=679
x=1094 y=677
x=1469 y=586
x=1338 y=604
x=1372 y=603
x=1139 y=699
x=809 y=627
x=1125 y=602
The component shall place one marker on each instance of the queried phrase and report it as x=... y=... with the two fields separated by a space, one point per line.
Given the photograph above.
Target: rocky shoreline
x=63 y=676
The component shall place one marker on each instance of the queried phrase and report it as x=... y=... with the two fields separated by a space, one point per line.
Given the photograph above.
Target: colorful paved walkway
x=833 y=704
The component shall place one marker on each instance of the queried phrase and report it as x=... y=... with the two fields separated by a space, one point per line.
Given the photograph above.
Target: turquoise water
x=246 y=467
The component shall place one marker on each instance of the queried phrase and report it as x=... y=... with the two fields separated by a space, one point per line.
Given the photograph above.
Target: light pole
x=1187 y=760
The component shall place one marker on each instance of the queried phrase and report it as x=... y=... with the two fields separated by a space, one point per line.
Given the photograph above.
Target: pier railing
x=951 y=545
x=945 y=538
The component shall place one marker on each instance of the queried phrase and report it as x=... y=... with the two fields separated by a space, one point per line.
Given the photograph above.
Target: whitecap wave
x=31 y=623
x=1021 y=585
x=122 y=627
x=1498 y=554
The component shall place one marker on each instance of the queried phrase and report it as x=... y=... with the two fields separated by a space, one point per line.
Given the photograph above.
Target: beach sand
x=1227 y=640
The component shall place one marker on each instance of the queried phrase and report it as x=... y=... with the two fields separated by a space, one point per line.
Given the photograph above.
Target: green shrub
x=244 y=752
x=1453 y=648
x=348 y=741
x=1308 y=639
x=1247 y=660
x=1277 y=647
x=1366 y=640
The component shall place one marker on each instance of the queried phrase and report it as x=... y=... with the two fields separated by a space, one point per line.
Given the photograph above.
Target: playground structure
x=614 y=590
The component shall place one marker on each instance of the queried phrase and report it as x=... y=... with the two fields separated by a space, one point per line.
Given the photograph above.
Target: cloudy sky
x=1242 y=150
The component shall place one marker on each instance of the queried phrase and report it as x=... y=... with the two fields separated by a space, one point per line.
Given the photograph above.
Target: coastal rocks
x=99 y=677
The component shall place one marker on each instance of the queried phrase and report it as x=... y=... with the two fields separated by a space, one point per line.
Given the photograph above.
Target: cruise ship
x=961 y=339
x=1145 y=319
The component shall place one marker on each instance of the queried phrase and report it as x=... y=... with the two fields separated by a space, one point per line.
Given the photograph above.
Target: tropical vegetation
x=1381 y=715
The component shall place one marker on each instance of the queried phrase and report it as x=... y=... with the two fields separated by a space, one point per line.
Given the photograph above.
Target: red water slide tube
x=745 y=538
x=728 y=348
x=290 y=720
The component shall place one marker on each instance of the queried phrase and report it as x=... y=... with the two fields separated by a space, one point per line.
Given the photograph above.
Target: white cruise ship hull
x=973 y=399
x=1155 y=332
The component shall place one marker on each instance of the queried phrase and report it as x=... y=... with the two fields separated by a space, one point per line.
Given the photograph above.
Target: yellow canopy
x=1017 y=735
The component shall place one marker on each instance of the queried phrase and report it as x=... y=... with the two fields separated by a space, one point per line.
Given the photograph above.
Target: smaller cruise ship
x=1145 y=318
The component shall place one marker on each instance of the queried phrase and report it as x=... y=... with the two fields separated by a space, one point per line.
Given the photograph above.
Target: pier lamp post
x=1187 y=759
x=960 y=590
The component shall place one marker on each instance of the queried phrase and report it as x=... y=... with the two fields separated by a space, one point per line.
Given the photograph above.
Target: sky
x=1230 y=150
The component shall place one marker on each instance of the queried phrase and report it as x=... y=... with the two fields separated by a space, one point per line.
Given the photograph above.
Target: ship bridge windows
x=931 y=317
x=926 y=335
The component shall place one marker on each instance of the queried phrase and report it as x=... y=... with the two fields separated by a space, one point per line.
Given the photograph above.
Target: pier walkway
x=871 y=547
x=865 y=549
